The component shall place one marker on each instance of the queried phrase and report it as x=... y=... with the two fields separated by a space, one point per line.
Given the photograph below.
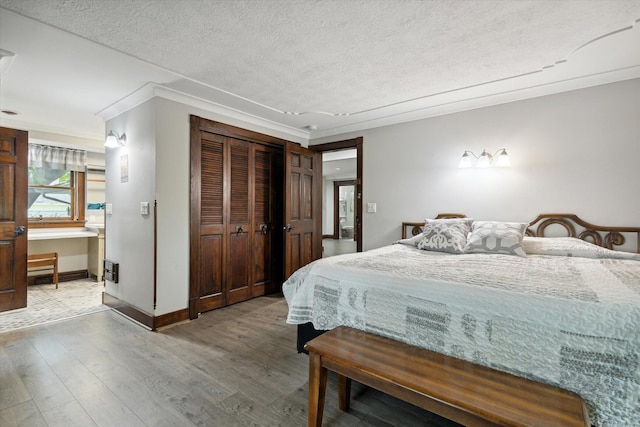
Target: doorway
x=343 y=210
x=343 y=240
x=342 y=215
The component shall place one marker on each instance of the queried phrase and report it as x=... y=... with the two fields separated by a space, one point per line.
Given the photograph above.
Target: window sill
x=55 y=224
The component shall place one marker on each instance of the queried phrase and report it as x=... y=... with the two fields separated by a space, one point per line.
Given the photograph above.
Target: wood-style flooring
x=235 y=366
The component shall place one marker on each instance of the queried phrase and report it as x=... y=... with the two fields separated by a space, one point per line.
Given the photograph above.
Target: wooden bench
x=48 y=260
x=460 y=391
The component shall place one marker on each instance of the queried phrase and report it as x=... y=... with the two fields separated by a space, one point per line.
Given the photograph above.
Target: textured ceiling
x=336 y=57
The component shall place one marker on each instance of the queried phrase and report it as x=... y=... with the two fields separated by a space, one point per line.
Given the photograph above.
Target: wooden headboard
x=605 y=236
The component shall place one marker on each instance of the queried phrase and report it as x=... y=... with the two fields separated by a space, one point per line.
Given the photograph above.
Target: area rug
x=47 y=304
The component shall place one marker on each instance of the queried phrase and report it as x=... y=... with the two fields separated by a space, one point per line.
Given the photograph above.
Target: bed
x=563 y=310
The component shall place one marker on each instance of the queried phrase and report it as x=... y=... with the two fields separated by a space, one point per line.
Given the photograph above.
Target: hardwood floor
x=236 y=366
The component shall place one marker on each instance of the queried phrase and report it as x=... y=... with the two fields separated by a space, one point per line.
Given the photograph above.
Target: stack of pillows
x=465 y=236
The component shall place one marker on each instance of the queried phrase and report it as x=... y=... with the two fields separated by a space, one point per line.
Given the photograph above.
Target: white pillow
x=571 y=246
x=445 y=235
x=411 y=241
x=493 y=237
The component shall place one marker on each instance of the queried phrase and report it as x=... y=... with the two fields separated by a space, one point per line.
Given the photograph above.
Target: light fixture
x=465 y=160
x=499 y=159
x=502 y=161
x=115 y=140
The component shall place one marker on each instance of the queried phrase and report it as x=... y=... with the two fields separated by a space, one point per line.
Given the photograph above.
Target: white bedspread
x=569 y=321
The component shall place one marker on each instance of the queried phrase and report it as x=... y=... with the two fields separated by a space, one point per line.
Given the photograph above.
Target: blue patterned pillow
x=492 y=237
x=445 y=235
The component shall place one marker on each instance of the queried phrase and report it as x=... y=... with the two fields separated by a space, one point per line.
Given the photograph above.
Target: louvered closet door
x=212 y=230
x=236 y=215
x=240 y=226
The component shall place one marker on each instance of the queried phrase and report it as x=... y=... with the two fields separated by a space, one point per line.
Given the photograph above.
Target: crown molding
x=151 y=90
x=477 y=97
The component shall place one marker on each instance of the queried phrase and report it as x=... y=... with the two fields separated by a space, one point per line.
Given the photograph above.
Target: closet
x=238 y=188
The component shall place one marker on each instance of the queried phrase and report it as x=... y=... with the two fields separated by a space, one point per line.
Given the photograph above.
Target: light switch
x=108 y=208
x=144 y=208
x=371 y=207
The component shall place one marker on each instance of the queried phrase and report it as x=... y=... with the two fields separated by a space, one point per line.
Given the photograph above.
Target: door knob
x=264 y=229
x=20 y=230
x=239 y=230
x=287 y=228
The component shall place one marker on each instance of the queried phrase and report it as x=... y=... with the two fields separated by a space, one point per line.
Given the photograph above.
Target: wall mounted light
x=499 y=159
x=115 y=140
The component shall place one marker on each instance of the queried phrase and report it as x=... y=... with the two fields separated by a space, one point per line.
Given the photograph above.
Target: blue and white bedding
x=567 y=313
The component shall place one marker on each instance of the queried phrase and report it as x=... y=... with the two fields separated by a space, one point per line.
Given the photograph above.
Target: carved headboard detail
x=604 y=236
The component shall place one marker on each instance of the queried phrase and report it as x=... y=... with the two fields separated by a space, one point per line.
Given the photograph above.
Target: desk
x=58 y=233
x=96 y=252
x=73 y=246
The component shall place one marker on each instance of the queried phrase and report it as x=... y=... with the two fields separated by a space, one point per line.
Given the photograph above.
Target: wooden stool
x=49 y=260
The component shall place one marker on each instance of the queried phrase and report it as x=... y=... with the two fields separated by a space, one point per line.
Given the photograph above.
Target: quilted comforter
x=569 y=321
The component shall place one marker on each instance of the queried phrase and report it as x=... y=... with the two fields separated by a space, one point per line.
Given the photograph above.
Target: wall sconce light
x=500 y=159
x=115 y=140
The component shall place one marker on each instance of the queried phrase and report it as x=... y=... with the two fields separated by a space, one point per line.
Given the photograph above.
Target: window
x=56 y=195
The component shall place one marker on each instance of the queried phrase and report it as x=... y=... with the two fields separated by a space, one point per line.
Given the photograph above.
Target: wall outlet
x=371 y=207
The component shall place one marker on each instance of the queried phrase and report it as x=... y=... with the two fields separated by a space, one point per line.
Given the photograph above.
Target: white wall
x=128 y=234
x=574 y=152
x=173 y=195
x=73 y=254
x=327 y=206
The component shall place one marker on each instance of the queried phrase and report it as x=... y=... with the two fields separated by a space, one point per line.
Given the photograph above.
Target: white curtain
x=46 y=156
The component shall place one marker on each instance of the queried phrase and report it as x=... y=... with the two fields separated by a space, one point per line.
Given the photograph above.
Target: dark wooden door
x=13 y=218
x=267 y=219
x=208 y=219
x=239 y=226
x=303 y=207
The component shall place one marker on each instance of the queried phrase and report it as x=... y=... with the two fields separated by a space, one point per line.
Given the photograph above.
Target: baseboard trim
x=65 y=276
x=145 y=319
x=128 y=310
x=171 y=318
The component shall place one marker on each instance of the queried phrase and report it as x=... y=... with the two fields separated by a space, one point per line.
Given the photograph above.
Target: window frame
x=78 y=206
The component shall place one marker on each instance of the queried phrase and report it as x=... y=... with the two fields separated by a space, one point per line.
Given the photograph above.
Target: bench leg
x=344 y=392
x=317 y=389
x=55 y=273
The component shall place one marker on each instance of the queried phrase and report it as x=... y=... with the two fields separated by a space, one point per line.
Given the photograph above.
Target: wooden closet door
x=240 y=225
x=236 y=215
x=266 y=213
x=209 y=180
